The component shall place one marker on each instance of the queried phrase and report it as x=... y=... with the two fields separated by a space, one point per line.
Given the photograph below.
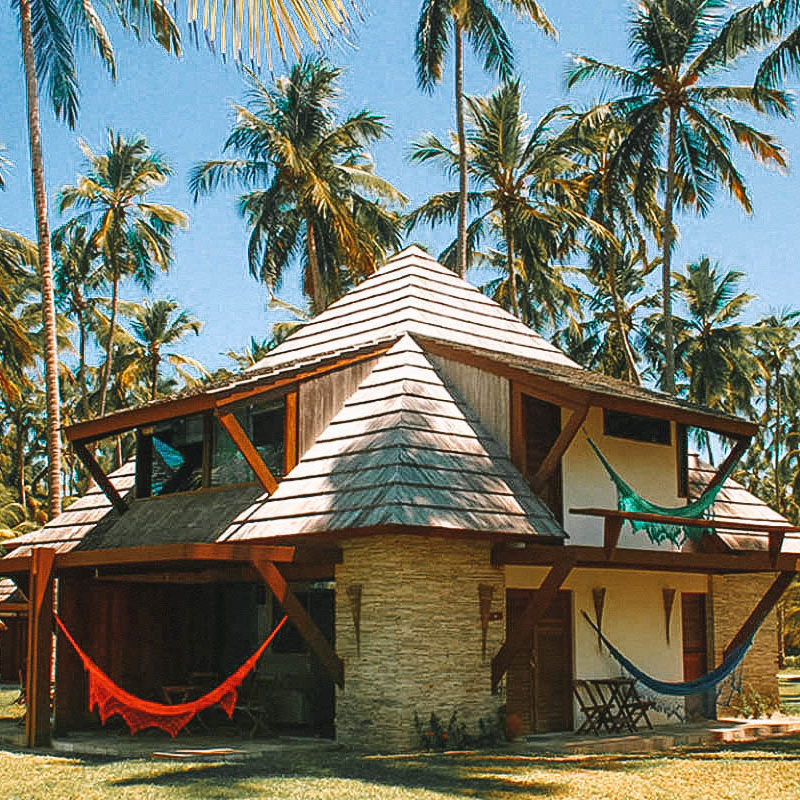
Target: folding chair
x=594 y=709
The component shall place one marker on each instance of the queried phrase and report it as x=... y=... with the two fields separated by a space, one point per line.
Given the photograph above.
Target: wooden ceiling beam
x=647 y=560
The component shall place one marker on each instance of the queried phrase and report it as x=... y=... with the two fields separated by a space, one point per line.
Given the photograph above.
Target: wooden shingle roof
x=413 y=294
x=405 y=450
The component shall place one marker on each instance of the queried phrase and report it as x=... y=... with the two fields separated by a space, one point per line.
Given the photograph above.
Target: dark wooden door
x=695 y=641
x=542 y=425
x=539 y=680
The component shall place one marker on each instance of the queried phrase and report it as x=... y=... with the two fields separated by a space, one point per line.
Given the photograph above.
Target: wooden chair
x=592 y=706
x=253 y=705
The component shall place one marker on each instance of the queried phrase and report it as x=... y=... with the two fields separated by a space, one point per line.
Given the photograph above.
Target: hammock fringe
x=108 y=698
x=629 y=500
x=702 y=684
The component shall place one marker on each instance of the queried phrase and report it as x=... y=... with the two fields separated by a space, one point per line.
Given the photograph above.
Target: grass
x=765 y=770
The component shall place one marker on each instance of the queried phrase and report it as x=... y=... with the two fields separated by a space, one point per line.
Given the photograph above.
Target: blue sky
x=183 y=107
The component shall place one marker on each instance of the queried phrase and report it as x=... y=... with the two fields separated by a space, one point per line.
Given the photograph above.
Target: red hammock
x=110 y=699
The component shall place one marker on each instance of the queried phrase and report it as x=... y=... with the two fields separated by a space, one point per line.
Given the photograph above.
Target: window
x=264 y=425
x=170 y=457
x=196 y=452
x=640 y=429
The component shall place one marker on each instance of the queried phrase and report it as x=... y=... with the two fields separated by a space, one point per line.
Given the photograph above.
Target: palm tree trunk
x=112 y=324
x=314 y=277
x=777 y=443
x=668 y=383
x=630 y=363
x=45 y=266
x=20 y=459
x=154 y=376
x=512 y=271
x=82 y=359
x=462 y=155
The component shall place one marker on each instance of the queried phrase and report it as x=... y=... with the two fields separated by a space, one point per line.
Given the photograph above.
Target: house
x=13 y=627
x=410 y=478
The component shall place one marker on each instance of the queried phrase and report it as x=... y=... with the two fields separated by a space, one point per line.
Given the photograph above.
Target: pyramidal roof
x=404 y=450
x=413 y=294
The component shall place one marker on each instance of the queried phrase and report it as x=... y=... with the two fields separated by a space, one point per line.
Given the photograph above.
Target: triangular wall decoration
x=669 y=599
x=354 y=593
x=599 y=597
x=485 y=593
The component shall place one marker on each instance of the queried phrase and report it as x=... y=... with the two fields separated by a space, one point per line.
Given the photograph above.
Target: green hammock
x=629 y=500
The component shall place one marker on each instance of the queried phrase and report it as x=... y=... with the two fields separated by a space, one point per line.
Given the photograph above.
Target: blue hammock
x=704 y=683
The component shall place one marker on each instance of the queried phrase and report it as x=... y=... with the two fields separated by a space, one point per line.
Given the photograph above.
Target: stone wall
x=420 y=648
x=733 y=598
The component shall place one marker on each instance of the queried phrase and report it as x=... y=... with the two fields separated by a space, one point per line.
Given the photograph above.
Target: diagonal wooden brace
x=306 y=626
x=560 y=446
x=759 y=613
x=96 y=471
x=248 y=450
x=534 y=611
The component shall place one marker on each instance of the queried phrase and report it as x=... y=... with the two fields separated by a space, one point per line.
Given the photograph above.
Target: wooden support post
x=564 y=440
x=290 y=438
x=96 y=471
x=517 y=416
x=737 y=451
x=306 y=626
x=534 y=611
x=611 y=530
x=759 y=613
x=40 y=647
x=248 y=450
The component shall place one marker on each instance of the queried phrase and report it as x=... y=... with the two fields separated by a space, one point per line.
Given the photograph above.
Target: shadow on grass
x=479 y=775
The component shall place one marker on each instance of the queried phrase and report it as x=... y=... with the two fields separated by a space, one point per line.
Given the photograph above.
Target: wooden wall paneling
x=71 y=684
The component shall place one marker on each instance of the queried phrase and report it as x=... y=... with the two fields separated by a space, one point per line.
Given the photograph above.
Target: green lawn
x=766 y=770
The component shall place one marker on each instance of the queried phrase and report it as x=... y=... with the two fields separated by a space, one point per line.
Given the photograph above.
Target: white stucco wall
x=651 y=469
x=633 y=619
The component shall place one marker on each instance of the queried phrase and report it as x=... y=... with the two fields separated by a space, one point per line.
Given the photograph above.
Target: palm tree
x=438 y=19
x=776 y=342
x=524 y=197
x=159 y=325
x=313 y=191
x=49 y=32
x=133 y=235
x=77 y=277
x=678 y=46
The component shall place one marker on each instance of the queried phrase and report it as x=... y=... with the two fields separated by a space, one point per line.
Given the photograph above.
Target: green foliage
x=435 y=734
x=748 y=702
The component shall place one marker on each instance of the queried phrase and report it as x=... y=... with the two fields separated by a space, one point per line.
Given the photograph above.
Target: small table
x=177 y=694
x=615 y=705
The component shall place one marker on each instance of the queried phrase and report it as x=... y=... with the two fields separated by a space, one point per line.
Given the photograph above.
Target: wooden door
x=695 y=641
x=542 y=425
x=539 y=680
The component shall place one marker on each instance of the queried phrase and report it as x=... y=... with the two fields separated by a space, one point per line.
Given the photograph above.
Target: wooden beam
x=96 y=471
x=248 y=450
x=306 y=626
x=517 y=428
x=711 y=524
x=775 y=544
x=564 y=440
x=736 y=452
x=612 y=526
x=759 y=613
x=649 y=560
x=533 y=612
x=290 y=437
x=40 y=647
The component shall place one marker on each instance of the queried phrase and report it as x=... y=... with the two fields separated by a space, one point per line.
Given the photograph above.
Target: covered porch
x=167 y=623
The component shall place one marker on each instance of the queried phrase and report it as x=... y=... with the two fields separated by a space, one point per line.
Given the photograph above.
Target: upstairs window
x=636 y=428
x=264 y=425
x=170 y=457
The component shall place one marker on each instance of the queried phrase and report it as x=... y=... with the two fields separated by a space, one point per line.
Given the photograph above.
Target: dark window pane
x=640 y=429
x=177 y=456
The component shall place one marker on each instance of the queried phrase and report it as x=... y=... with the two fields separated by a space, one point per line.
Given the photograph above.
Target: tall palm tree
x=677 y=113
x=313 y=191
x=133 y=234
x=49 y=31
x=438 y=20
x=525 y=198
x=157 y=326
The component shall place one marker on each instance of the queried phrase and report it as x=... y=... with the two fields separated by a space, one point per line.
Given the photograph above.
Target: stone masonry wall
x=420 y=637
x=733 y=598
